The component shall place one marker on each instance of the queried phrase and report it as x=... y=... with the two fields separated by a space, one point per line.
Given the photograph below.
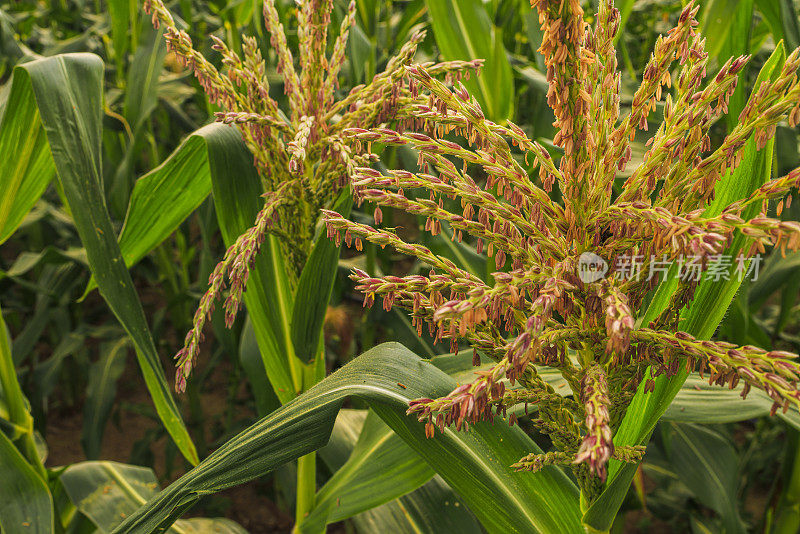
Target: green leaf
x=141 y=94
x=253 y=366
x=120 y=14
x=15 y=410
x=25 y=501
x=360 y=54
x=782 y=20
x=346 y=429
x=15 y=402
x=100 y=393
x=203 y=525
x=699 y=402
x=380 y=468
x=237 y=198
x=706 y=462
x=410 y=16
x=738 y=44
x=701 y=319
x=244 y=11
x=47 y=373
x=715 y=23
x=475 y=463
x=11 y=50
x=463 y=31
x=625 y=7
x=315 y=286
x=141 y=97
x=25 y=176
x=68 y=91
x=431 y=509
x=108 y=492
x=26 y=261
x=777 y=272
x=164 y=197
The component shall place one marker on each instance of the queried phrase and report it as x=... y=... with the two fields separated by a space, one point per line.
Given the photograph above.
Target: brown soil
x=246 y=504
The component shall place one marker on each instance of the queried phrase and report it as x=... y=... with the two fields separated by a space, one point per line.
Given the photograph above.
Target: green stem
x=585 y=503
x=306 y=486
x=313 y=372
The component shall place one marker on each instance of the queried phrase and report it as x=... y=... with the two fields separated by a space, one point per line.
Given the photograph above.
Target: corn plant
x=303 y=161
x=304 y=166
x=300 y=162
x=623 y=343
x=543 y=303
x=616 y=349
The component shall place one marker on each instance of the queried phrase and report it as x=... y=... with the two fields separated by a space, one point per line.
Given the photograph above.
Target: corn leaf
x=346 y=429
x=706 y=462
x=315 y=286
x=119 y=12
x=782 y=20
x=141 y=97
x=244 y=11
x=380 y=468
x=778 y=271
x=737 y=44
x=715 y=23
x=107 y=492
x=237 y=198
x=701 y=319
x=100 y=392
x=25 y=501
x=215 y=155
x=253 y=365
x=67 y=90
x=625 y=7
x=431 y=509
x=23 y=178
x=475 y=463
x=164 y=197
x=699 y=402
x=463 y=31
x=16 y=405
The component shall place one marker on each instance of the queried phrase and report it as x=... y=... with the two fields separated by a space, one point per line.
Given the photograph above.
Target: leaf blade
x=237 y=191
x=463 y=31
x=68 y=90
x=22 y=179
x=545 y=501
x=25 y=501
x=314 y=288
x=380 y=468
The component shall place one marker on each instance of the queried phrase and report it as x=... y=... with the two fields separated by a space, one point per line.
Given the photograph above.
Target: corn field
x=422 y=266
